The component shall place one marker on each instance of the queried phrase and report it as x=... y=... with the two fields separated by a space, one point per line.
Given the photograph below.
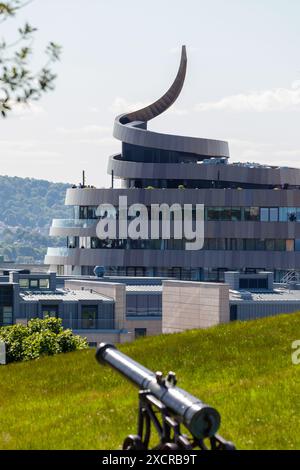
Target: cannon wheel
x=133 y=442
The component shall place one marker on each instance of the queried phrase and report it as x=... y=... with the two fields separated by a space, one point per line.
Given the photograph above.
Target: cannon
x=166 y=408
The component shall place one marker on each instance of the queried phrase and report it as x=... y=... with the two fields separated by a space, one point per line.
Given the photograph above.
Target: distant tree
x=18 y=82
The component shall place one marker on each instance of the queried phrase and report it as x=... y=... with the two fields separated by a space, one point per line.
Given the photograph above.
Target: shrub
x=69 y=342
x=39 y=338
x=48 y=324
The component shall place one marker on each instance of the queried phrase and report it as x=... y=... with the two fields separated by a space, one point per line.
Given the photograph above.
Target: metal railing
x=89 y=324
x=290 y=277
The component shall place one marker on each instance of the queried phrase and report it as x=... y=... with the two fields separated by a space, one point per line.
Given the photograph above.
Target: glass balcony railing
x=59 y=251
x=73 y=223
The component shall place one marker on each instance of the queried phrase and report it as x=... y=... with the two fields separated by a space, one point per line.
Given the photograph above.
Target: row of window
x=27 y=283
x=90 y=317
x=262 y=214
x=231 y=244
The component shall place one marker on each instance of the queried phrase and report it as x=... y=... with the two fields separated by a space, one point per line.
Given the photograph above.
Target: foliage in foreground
x=39 y=338
x=19 y=84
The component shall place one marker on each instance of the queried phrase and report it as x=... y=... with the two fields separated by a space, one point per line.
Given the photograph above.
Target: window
x=34 y=283
x=280 y=245
x=141 y=305
x=274 y=214
x=250 y=244
x=253 y=283
x=264 y=214
x=225 y=213
x=140 y=332
x=283 y=214
x=251 y=213
x=290 y=245
x=213 y=213
x=221 y=243
x=297 y=244
x=7 y=316
x=89 y=315
x=262 y=283
x=24 y=283
x=236 y=213
x=60 y=269
x=72 y=242
x=270 y=245
x=44 y=283
x=260 y=244
x=292 y=214
x=50 y=311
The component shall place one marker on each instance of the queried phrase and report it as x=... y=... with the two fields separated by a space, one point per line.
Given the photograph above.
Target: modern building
x=252 y=211
x=121 y=309
x=99 y=309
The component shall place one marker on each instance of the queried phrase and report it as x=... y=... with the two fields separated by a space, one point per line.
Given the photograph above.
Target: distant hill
x=244 y=369
x=27 y=207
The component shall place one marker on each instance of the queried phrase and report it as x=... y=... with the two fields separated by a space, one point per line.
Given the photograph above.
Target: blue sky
x=242 y=85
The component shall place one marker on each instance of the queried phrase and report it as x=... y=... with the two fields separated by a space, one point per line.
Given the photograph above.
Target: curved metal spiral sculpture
x=131 y=128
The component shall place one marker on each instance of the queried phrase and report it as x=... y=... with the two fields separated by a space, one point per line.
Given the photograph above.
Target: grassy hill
x=243 y=369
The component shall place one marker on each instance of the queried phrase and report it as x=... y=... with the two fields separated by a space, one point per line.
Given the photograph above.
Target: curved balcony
x=176 y=258
x=234 y=173
x=73 y=227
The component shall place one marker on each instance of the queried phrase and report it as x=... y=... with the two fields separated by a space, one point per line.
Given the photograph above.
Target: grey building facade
x=252 y=211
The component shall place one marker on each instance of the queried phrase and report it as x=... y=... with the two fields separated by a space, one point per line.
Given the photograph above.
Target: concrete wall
x=106 y=336
x=152 y=325
x=188 y=305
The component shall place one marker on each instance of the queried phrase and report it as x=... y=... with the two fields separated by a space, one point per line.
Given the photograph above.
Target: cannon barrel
x=200 y=419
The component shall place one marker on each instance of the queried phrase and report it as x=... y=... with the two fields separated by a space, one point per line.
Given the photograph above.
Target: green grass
x=243 y=369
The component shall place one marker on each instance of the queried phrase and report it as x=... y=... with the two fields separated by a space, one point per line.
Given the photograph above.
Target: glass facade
x=227 y=244
x=144 y=305
x=248 y=213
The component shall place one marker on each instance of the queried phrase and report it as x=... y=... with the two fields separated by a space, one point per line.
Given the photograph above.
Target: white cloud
x=104 y=141
x=29 y=149
x=121 y=105
x=276 y=99
x=89 y=129
x=93 y=109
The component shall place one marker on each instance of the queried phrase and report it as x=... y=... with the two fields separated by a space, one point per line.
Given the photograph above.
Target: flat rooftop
x=276 y=295
x=65 y=295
